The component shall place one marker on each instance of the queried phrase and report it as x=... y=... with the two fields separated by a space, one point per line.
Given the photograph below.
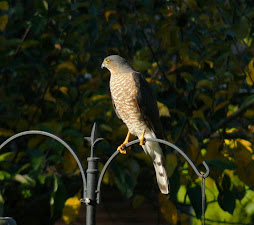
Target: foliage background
x=196 y=55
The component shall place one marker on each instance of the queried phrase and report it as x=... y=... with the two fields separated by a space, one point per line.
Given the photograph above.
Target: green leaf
x=239 y=192
x=125 y=181
x=41 y=5
x=174 y=183
x=137 y=201
x=58 y=197
x=55 y=159
x=242 y=29
x=1 y=205
x=226 y=183
x=195 y=197
x=222 y=164
x=4 y=175
x=7 y=156
x=24 y=179
x=4 y=5
x=29 y=44
x=247 y=100
x=226 y=200
x=10 y=43
x=3 y=22
x=37 y=158
x=24 y=167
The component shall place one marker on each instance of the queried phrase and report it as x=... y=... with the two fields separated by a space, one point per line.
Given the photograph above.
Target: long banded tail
x=154 y=150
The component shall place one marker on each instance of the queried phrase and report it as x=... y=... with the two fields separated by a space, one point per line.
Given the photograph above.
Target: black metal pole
x=92 y=179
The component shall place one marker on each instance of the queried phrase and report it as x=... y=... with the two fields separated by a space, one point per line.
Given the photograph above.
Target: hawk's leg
x=122 y=146
x=142 y=139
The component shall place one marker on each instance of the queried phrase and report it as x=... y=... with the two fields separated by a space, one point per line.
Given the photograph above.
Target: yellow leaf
x=204 y=83
x=191 y=63
x=213 y=149
x=242 y=153
x=246 y=144
x=206 y=100
x=250 y=73
x=64 y=90
x=116 y=26
x=6 y=133
x=69 y=163
x=3 y=22
x=184 y=219
x=4 y=5
x=186 y=76
x=48 y=96
x=178 y=112
x=244 y=162
x=108 y=13
x=193 y=150
x=221 y=93
x=221 y=105
x=194 y=141
x=71 y=209
x=168 y=209
x=248 y=40
x=99 y=97
x=172 y=78
x=198 y=114
x=150 y=80
x=171 y=163
x=181 y=194
x=210 y=63
x=67 y=65
x=231 y=130
x=232 y=109
x=205 y=18
x=163 y=109
x=251 y=128
x=249 y=114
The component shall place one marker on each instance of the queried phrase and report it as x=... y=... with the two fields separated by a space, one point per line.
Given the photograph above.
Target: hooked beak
x=103 y=65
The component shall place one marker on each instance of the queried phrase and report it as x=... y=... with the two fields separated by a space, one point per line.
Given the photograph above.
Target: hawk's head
x=115 y=63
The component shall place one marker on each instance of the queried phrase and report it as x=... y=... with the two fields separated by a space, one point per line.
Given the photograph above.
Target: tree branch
x=24 y=36
x=234 y=135
x=228 y=119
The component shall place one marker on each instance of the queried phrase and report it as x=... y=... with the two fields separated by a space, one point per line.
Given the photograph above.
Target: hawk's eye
x=108 y=60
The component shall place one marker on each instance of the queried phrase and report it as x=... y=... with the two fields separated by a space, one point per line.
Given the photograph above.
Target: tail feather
x=154 y=150
x=161 y=175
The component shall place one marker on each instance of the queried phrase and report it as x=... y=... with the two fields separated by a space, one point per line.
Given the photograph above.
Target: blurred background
x=198 y=58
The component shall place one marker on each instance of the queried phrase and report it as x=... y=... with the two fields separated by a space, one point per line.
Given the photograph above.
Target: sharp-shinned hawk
x=135 y=104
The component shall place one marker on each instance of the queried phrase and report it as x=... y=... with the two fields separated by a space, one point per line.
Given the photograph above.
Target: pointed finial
x=93 y=139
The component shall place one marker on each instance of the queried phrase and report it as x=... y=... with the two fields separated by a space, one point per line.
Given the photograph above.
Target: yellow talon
x=142 y=139
x=126 y=141
x=121 y=149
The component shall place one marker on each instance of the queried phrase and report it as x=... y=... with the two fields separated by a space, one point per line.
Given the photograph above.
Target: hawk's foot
x=122 y=148
x=142 y=139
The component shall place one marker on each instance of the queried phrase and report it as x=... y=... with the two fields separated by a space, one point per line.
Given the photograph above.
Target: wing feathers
x=114 y=106
x=147 y=105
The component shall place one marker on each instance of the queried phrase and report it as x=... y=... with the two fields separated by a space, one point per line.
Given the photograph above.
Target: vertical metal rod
x=92 y=179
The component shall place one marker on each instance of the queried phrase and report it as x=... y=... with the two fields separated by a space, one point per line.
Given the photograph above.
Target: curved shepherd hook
x=152 y=140
x=57 y=139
